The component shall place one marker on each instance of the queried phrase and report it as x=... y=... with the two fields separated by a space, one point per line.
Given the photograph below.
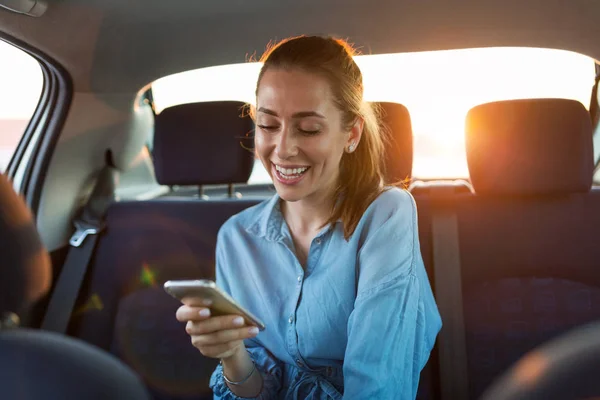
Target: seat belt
x=88 y=226
x=448 y=291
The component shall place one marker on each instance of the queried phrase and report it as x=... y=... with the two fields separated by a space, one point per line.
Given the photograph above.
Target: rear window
x=438 y=88
x=21 y=82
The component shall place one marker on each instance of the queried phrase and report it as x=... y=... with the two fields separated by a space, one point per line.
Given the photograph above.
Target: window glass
x=21 y=82
x=438 y=88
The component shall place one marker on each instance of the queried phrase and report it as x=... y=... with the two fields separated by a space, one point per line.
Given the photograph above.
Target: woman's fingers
x=215 y=336
x=224 y=336
x=214 y=324
x=188 y=313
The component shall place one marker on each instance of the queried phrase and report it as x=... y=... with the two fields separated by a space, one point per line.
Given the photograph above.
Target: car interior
x=128 y=188
x=38 y=363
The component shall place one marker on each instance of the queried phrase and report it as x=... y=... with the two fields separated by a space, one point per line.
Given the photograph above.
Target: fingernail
x=253 y=331
x=207 y=302
x=239 y=321
x=205 y=312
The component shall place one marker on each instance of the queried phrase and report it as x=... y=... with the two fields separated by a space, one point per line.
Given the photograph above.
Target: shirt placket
x=314 y=254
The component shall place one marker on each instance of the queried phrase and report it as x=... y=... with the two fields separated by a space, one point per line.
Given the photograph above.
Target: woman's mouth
x=289 y=175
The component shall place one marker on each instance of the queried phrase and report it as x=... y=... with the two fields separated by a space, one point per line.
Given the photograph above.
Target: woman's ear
x=355 y=135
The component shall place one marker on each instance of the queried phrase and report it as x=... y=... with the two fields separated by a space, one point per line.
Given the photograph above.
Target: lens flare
x=148 y=276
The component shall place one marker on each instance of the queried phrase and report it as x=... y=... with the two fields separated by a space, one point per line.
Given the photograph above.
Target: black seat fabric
x=194 y=142
x=146 y=244
x=123 y=307
x=528 y=236
x=44 y=365
x=531 y=281
x=36 y=364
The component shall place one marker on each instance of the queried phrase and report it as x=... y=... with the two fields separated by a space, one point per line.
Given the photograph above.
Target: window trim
x=43 y=130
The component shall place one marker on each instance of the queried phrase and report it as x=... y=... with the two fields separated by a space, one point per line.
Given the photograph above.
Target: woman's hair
x=361 y=172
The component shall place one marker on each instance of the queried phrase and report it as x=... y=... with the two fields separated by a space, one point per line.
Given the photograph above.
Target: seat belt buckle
x=83 y=229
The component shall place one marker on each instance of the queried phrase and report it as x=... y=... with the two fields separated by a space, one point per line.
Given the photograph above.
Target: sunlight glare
x=437 y=87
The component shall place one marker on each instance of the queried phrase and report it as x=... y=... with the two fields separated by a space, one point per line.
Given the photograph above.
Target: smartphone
x=193 y=292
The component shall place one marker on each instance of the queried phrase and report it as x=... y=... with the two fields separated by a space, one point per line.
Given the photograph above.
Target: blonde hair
x=361 y=172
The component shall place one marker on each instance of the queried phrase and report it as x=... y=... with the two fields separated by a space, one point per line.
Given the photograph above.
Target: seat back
x=528 y=237
x=36 y=364
x=45 y=365
x=123 y=307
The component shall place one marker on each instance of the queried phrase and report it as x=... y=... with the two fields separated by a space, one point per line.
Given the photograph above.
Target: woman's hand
x=215 y=337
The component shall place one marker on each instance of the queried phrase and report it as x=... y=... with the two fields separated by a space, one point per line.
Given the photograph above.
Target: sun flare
x=437 y=87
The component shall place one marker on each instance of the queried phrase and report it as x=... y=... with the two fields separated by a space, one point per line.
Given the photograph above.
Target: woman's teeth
x=290 y=172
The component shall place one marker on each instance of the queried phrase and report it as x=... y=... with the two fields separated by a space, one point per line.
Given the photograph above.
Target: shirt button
x=299 y=363
x=291 y=320
x=318 y=240
x=299 y=278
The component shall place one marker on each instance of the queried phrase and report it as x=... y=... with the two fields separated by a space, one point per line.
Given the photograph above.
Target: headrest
x=131 y=136
x=203 y=143
x=399 y=149
x=530 y=147
x=25 y=269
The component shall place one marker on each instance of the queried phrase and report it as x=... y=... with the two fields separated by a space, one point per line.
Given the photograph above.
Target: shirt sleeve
x=395 y=319
x=266 y=364
x=269 y=367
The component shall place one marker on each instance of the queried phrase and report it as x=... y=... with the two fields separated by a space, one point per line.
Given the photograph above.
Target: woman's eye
x=309 y=132
x=268 y=128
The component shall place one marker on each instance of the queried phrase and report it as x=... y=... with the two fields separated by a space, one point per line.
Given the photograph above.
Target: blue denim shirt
x=358 y=322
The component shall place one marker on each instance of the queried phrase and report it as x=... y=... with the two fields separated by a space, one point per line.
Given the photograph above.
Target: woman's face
x=299 y=135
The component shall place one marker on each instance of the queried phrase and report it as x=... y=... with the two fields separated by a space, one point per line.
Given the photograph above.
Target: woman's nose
x=286 y=146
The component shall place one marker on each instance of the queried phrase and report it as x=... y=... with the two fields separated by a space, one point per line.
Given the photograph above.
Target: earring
x=351 y=147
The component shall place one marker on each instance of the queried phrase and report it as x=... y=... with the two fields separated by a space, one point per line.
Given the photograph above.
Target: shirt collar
x=270 y=223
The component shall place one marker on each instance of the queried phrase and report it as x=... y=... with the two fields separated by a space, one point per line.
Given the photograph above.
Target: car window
x=438 y=88
x=21 y=82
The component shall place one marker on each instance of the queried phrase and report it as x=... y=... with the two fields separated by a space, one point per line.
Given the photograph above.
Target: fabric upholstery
x=37 y=364
x=530 y=273
x=203 y=143
x=124 y=308
x=44 y=365
x=530 y=147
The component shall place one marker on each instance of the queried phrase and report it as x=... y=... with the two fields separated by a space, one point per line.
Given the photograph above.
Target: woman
x=331 y=263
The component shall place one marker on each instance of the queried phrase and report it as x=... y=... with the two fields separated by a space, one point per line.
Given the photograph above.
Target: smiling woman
x=438 y=88
x=317 y=258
